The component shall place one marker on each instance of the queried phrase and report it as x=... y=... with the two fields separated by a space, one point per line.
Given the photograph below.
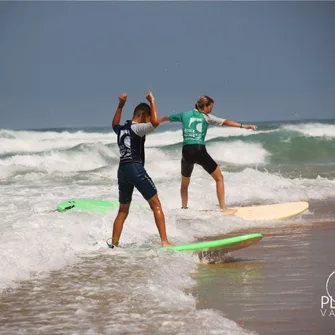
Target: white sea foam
x=312 y=129
x=32 y=141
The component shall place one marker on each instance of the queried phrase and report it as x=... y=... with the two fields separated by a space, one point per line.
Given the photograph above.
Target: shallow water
x=276 y=285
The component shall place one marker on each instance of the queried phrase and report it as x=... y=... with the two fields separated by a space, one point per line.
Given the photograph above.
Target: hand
x=250 y=126
x=150 y=97
x=123 y=98
x=164 y=119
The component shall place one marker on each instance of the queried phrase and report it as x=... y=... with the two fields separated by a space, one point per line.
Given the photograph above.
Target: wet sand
x=276 y=285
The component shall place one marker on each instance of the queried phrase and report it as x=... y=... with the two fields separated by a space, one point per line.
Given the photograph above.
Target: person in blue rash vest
x=131 y=172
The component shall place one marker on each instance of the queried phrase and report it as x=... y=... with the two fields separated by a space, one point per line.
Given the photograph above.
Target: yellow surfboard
x=271 y=212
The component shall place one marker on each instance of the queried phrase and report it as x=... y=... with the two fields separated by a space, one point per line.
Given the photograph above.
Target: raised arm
x=117 y=115
x=153 y=114
x=238 y=125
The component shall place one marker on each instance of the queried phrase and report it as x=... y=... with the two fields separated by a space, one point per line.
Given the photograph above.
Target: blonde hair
x=203 y=101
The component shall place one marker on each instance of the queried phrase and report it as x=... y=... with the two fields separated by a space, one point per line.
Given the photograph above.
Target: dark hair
x=142 y=108
x=203 y=101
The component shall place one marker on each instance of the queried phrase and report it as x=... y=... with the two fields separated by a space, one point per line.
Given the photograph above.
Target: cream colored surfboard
x=272 y=212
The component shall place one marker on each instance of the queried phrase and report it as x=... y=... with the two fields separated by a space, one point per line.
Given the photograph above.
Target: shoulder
x=212 y=119
x=116 y=128
x=191 y=113
x=196 y=113
x=142 y=129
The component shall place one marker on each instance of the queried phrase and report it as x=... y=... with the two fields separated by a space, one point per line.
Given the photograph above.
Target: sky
x=64 y=64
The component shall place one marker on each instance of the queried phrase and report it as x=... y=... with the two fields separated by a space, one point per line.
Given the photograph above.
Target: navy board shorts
x=132 y=175
x=196 y=154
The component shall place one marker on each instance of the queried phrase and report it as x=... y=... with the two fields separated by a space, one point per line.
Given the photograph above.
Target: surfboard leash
x=110 y=245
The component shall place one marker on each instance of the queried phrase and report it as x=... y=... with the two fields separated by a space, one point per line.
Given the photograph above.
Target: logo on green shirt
x=194 y=126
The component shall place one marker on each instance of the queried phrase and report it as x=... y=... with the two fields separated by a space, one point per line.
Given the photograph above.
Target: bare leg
x=185 y=182
x=156 y=207
x=118 y=223
x=218 y=177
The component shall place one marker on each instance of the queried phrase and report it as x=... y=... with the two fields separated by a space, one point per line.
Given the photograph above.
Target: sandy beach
x=276 y=285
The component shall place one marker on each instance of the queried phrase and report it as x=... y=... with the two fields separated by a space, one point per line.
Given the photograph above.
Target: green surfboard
x=90 y=205
x=226 y=245
x=229 y=244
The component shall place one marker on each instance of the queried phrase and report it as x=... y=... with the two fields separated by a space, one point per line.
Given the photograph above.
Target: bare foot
x=228 y=211
x=166 y=244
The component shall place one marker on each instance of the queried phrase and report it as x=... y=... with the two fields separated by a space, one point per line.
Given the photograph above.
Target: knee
x=124 y=209
x=220 y=178
x=184 y=187
x=156 y=208
x=184 y=184
x=155 y=204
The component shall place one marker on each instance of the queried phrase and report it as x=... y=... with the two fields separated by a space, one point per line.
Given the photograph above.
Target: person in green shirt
x=195 y=124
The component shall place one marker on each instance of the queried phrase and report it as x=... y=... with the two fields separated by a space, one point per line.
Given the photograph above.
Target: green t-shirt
x=195 y=125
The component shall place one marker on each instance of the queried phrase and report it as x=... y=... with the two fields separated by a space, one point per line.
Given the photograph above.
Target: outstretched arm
x=117 y=115
x=238 y=125
x=164 y=119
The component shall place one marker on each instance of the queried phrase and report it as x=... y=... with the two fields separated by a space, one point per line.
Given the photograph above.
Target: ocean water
x=42 y=251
